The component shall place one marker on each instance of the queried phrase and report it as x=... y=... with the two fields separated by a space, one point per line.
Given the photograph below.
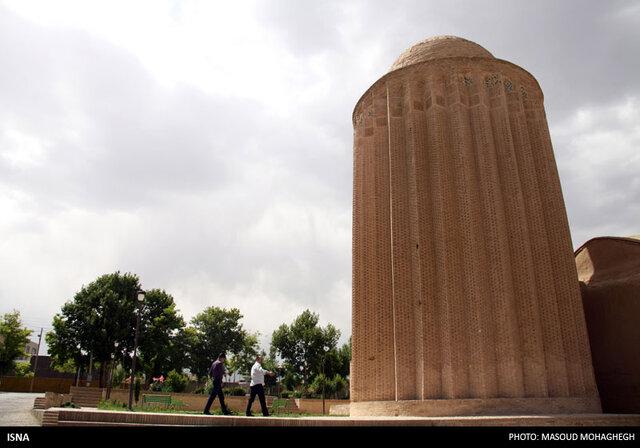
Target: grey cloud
x=222 y=202
x=137 y=140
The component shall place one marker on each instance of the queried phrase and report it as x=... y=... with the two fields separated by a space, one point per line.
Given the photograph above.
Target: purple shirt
x=217 y=370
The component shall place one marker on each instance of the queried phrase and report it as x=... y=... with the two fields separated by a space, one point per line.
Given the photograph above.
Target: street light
x=324 y=380
x=141 y=295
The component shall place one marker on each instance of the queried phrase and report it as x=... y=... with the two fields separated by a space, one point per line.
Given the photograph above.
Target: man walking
x=257 y=386
x=216 y=372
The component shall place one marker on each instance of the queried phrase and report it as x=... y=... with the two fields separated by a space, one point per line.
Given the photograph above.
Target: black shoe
x=227 y=413
x=207 y=413
x=249 y=414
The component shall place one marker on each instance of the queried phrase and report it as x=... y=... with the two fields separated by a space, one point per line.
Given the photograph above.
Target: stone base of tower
x=476 y=406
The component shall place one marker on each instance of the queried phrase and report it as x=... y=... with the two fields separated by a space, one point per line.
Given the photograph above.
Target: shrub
x=206 y=389
x=112 y=405
x=278 y=406
x=175 y=382
x=23 y=369
x=158 y=384
x=235 y=391
x=118 y=375
x=340 y=386
x=290 y=381
x=321 y=384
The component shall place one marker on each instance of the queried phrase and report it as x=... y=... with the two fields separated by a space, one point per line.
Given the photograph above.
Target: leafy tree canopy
x=215 y=330
x=13 y=339
x=242 y=361
x=101 y=319
x=161 y=339
x=304 y=345
x=23 y=369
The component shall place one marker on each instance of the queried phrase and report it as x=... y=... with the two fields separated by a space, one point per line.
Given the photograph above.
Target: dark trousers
x=216 y=392
x=258 y=390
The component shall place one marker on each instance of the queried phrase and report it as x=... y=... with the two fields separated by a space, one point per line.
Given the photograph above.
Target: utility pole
x=35 y=364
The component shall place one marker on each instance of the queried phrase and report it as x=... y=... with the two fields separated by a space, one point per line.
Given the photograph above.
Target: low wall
x=93 y=417
x=314 y=405
x=55 y=400
x=40 y=384
x=193 y=402
x=340 y=409
x=196 y=402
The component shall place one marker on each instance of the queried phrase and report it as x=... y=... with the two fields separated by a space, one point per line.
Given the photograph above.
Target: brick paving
x=81 y=417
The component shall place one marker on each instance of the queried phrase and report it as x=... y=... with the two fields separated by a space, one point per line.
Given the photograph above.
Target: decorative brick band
x=470 y=407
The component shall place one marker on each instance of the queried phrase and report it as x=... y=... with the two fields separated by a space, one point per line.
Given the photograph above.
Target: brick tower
x=465 y=293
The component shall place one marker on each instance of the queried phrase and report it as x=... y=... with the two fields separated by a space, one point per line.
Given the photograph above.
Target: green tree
x=321 y=382
x=23 y=369
x=181 y=345
x=118 y=375
x=212 y=331
x=100 y=321
x=340 y=386
x=161 y=340
x=338 y=361
x=175 y=382
x=13 y=339
x=270 y=363
x=242 y=361
x=65 y=345
x=67 y=367
x=303 y=345
x=290 y=380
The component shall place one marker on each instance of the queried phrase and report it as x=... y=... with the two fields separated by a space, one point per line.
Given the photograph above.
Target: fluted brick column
x=465 y=295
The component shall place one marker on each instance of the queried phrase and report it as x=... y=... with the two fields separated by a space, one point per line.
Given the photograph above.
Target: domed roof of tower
x=439 y=47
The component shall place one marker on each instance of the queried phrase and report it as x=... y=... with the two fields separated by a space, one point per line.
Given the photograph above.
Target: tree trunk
x=109 y=381
x=102 y=371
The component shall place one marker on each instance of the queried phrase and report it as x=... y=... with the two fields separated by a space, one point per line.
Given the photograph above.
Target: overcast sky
x=207 y=146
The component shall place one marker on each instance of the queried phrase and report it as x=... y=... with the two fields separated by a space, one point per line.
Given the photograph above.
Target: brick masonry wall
x=16 y=384
x=609 y=271
x=192 y=402
x=82 y=417
x=314 y=406
x=464 y=284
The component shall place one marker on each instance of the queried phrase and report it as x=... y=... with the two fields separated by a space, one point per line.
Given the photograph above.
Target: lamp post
x=324 y=380
x=140 y=300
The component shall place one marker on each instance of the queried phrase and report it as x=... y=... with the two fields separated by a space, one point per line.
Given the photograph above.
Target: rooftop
x=439 y=47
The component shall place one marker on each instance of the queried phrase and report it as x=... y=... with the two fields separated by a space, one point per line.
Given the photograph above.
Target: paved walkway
x=95 y=417
x=15 y=409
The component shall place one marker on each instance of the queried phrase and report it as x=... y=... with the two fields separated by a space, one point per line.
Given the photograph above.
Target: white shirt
x=257 y=374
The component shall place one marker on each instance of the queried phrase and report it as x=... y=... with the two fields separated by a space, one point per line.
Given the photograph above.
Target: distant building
x=609 y=274
x=45 y=370
x=30 y=349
